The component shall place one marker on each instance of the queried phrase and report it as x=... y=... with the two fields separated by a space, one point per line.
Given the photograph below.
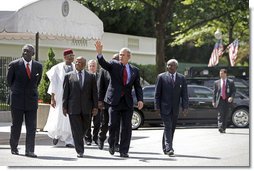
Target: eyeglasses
x=70 y=56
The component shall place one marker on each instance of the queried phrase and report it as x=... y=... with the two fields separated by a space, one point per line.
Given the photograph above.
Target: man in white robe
x=58 y=125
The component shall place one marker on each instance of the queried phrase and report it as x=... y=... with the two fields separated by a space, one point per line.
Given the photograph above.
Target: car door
x=200 y=103
x=149 y=110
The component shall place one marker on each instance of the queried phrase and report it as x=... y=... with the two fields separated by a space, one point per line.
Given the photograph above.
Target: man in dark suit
x=93 y=135
x=170 y=87
x=123 y=77
x=80 y=99
x=23 y=78
x=102 y=84
x=223 y=95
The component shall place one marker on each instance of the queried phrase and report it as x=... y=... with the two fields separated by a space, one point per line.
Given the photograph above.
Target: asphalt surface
x=194 y=147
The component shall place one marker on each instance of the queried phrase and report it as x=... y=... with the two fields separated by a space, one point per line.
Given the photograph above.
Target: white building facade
x=143 y=48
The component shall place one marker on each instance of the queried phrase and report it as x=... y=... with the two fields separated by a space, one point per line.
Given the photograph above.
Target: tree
x=44 y=85
x=161 y=10
x=197 y=21
x=178 y=22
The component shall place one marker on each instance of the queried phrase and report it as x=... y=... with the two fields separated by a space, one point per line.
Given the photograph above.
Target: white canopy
x=58 y=18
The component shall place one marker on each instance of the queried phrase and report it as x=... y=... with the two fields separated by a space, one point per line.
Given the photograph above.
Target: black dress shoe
x=69 y=145
x=96 y=142
x=124 y=155
x=80 y=155
x=15 y=152
x=117 y=147
x=55 y=141
x=170 y=153
x=31 y=154
x=101 y=145
x=111 y=150
x=222 y=130
x=88 y=143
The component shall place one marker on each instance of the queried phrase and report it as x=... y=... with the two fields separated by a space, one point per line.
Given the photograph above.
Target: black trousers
x=79 y=125
x=169 y=122
x=96 y=127
x=104 y=124
x=30 y=121
x=223 y=113
x=120 y=114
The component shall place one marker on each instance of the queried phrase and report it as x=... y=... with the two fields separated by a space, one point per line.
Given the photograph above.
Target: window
x=200 y=92
x=149 y=92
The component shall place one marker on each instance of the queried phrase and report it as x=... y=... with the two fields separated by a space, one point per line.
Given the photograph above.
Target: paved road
x=194 y=146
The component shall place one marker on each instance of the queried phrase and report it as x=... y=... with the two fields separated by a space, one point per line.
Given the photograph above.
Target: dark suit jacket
x=23 y=91
x=103 y=82
x=116 y=87
x=167 y=97
x=79 y=100
x=230 y=90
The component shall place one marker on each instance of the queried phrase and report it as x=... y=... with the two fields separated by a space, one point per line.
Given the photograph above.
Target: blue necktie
x=80 y=78
x=172 y=79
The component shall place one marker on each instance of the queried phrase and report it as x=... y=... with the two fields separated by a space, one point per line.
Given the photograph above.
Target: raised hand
x=99 y=47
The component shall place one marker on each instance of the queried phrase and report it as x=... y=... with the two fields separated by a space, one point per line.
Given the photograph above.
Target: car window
x=148 y=92
x=200 y=92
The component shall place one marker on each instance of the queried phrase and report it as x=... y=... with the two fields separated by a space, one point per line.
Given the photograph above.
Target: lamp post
x=218 y=34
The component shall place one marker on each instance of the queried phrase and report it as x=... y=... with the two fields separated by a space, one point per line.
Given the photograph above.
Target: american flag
x=216 y=54
x=232 y=51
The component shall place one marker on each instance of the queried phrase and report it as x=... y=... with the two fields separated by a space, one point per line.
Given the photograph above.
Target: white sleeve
x=53 y=80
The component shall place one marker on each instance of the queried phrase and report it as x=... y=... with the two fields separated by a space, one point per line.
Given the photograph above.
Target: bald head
x=28 y=52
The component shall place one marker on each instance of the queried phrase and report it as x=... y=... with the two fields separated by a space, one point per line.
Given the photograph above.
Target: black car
x=200 y=108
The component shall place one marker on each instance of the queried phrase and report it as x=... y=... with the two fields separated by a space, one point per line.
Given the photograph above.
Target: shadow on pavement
x=200 y=157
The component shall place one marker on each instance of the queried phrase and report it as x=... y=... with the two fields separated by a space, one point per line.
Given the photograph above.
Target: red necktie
x=28 y=71
x=223 y=93
x=125 y=75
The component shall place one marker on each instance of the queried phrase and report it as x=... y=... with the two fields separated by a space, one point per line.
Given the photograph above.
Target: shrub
x=44 y=85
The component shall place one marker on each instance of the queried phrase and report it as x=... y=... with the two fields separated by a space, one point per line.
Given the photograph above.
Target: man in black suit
x=123 y=77
x=223 y=95
x=23 y=78
x=170 y=87
x=103 y=82
x=93 y=135
x=80 y=99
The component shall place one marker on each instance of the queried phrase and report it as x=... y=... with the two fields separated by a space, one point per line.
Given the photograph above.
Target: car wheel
x=240 y=118
x=137 y=120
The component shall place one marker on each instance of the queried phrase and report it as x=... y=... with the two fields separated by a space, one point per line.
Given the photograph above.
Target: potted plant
x=44 y=97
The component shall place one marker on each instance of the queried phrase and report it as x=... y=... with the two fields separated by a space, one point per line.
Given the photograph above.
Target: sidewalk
x=194 y=147
x=5 y=128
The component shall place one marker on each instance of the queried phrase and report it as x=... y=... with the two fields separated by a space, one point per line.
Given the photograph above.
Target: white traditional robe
x=58 y=126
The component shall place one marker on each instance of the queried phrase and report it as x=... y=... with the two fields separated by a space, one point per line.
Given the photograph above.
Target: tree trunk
x=162 y=16
x=160 y=48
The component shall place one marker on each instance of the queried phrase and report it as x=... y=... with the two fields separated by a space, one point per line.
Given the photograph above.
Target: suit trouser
x=120 y=114
x=169 y=122
x=96 y=128
x=104 y=127
x=30 y=121
x=79 y=125
x=223 y=113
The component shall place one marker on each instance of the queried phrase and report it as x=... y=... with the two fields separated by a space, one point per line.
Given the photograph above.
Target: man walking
x=170 y=88
x=223 y=95
x=80 y=99
x=23 y=78
x=123 y=78
x=103 y=82
x=93 y=135
x=57 y=125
